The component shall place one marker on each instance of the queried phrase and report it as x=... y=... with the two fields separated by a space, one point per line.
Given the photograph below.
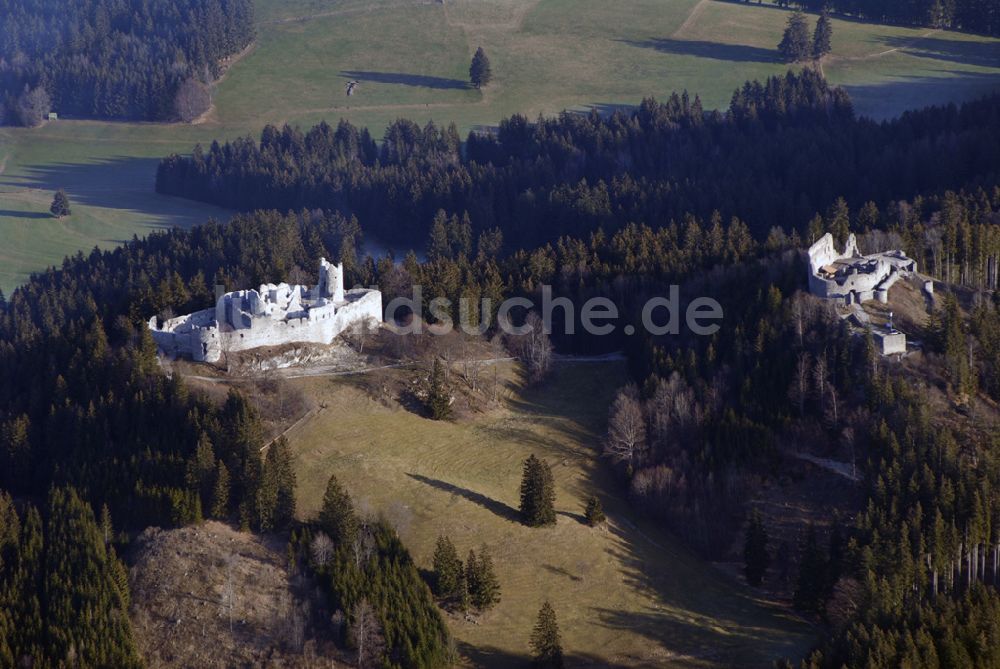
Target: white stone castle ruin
x=270 y=316
x=851 y=277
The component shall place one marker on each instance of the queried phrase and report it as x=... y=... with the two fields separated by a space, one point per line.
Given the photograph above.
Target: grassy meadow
x=411 y=58
x=628 y=595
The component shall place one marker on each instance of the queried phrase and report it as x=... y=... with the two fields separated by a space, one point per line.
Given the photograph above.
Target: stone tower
x=331 y=280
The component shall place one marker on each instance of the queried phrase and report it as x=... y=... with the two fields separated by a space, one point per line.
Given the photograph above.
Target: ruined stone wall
x=270 y=316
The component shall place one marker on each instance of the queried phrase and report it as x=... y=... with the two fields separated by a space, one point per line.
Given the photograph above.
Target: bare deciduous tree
x=534 y=348
x=366 y=632
x=798 y=392
x=321 y=549
x=626 y=427
x=192 y=100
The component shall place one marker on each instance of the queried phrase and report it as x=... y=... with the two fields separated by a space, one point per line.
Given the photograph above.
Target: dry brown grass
x=181 y=602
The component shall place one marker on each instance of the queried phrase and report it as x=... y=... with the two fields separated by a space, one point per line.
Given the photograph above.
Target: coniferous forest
x=619 y=207
x=784 y=150
x=131 y=60
x=967 y=15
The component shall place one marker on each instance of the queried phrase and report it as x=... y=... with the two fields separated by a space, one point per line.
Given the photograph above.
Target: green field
x=628 y=595
x=411 y=57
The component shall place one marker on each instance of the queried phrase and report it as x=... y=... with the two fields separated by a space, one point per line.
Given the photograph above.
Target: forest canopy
x=113 y=59
x=785 y=149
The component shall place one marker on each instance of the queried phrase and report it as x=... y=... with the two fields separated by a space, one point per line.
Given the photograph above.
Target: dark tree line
x=63 y=591
x=976 y=16
x=383 y=609
x=131 y=59
x=784 y=149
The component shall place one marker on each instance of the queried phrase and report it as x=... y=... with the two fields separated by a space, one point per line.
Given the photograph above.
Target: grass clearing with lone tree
x=626 y=595
x=411 y=59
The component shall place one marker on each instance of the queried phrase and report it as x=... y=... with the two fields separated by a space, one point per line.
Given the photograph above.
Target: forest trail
x=338 y=12
x=695 y=14
x=879 y=54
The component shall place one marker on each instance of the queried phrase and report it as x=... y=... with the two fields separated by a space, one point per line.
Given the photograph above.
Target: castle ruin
x=270 y=316
x=851 y=277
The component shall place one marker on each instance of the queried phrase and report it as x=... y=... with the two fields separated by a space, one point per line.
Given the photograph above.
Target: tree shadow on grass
x=701 y=49
x=490 y=656
x=24 y=214
x=488 y=503
x=561 y=571
x=117 y=183
x=697 y=612
x=984 y=54
x=884 y=100
x=406 y=79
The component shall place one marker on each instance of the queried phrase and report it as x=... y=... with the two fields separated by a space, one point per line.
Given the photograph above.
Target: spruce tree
x=484 y=587
x=286 y=483
x=594 y=512
x=201 y=470
x=756 y=557
x=546 y=646
x=60 y=204
x=472 y=576
x=480 y=72
x=438 y=247
x=449 y=575
x=438 y=398
x=795 y=45
x=810 y=586
x=822 y=36
x=537 y=493
x=219 y=507
x=337 y=517
x=278 y=485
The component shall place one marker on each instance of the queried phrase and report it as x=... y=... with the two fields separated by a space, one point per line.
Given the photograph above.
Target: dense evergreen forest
x=131 y=59
x=88 y=419
x=84 y=403
x=784 y=150
x=977 y=16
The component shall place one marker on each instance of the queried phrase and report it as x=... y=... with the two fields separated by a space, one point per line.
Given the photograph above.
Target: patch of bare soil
x=209 y=596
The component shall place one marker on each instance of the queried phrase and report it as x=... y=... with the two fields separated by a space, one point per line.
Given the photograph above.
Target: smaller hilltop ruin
x=270 y=316
x=851 y=277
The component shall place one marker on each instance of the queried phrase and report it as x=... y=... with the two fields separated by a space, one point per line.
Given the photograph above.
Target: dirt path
x=515 y=23
x=339 y=12
x=695 y=14
x=209 y=114
x=871 y=56
x=839 y=468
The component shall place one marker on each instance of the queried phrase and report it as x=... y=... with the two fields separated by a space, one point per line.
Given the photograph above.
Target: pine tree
x=537 y=493
x=795 y=46
x=822 y=36
x=480 y=72
x=756 y=557
x=449 y=574
x=594 y=512
x=546 y=646
x=337 y=517
x=438 y=398
x=219 y=507
x=60 y=204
